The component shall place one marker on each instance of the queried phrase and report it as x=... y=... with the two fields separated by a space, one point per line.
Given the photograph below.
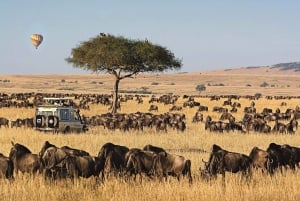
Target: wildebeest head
x=215 y=162
x=52 y=157
x=141 y=161
x=99 y=166
x=210 y=167
x=45 y=147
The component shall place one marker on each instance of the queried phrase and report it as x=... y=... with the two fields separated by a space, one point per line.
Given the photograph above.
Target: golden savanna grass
x=260 y=187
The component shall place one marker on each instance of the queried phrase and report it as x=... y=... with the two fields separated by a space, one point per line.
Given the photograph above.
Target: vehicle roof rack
x=58 y=101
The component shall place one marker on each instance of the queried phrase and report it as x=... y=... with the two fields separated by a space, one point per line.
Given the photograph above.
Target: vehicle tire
x=40 y=121
x=50 y=121
x=56 y=122
x=67 y=129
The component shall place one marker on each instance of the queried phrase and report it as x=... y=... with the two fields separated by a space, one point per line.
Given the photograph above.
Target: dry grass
x=261 y=187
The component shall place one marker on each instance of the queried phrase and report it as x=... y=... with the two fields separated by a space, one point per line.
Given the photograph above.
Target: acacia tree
x=121 y=58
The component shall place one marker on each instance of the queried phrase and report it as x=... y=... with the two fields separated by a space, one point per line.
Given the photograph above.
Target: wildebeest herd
x=150 y=162
x=285 y=122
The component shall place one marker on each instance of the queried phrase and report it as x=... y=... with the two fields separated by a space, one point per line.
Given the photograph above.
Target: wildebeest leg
x=101 y=176
x=223 y=179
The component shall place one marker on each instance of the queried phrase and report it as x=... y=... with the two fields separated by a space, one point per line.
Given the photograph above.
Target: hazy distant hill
x=280 y=68
x=288 y=66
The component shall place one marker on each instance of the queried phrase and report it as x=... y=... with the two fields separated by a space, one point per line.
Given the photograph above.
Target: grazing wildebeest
x=175 y=108
x=153 y=108
x=140 y=161
x=292 y=126
x=284 y=155
x=221 y=160
x=60 y=164
x=263 y=160
x=6 y=167
x=52 y=161
x=295 y=153
x=114 y=156
x=170 y=164
x=79 y=166
x=66 y=162
x=23 y=159
x=4 y=122
x=198 y=117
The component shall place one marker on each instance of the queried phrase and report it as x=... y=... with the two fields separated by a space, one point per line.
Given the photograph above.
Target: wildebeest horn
x=204 y=161
x=13 y=144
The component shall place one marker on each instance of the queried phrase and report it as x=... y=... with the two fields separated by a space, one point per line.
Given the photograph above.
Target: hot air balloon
x=36 y=40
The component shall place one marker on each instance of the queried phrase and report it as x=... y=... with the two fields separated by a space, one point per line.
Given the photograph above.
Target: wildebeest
x=295 y=153
x=114 y=157
x=263 y=160
x=6 y=167
x=140 y=161
x=58 y=163
x=53 y=162
x=198 y=117
x=153 y=108
x=175 y=108
x=23 y=159
x=284 y=155
x=221 y=161
x=67 y=162
x=170 y=164
x=292 y=126
x=4 y=122
x=80 y=166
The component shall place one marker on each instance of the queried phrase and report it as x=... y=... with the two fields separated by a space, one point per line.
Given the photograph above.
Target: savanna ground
x=260 y=187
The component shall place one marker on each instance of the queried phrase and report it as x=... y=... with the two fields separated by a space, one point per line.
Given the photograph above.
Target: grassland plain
x=261 y=187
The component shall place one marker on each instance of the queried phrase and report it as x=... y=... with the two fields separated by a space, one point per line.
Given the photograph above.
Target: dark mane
x=21 y=149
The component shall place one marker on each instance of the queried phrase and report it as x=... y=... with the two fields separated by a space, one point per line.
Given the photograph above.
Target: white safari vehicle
x=58 y=115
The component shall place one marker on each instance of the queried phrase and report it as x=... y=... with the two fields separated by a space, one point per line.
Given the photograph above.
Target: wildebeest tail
x=187 y=170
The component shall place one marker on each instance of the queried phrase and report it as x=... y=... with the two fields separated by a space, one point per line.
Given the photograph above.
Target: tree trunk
x=115 y=96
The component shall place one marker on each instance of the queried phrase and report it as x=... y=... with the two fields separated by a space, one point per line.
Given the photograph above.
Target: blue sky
x=206 y=35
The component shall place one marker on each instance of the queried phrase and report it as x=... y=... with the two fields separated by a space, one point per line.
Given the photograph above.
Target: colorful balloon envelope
x=36 y=40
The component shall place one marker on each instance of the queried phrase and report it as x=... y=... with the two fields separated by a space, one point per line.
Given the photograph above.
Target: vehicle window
x=64 y=114
x=72 y=115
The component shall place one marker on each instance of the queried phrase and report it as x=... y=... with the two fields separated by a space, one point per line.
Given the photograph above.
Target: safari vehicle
x=58 y=115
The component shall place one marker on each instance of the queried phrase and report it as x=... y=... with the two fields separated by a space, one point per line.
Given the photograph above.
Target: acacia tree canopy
x=122 y=58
